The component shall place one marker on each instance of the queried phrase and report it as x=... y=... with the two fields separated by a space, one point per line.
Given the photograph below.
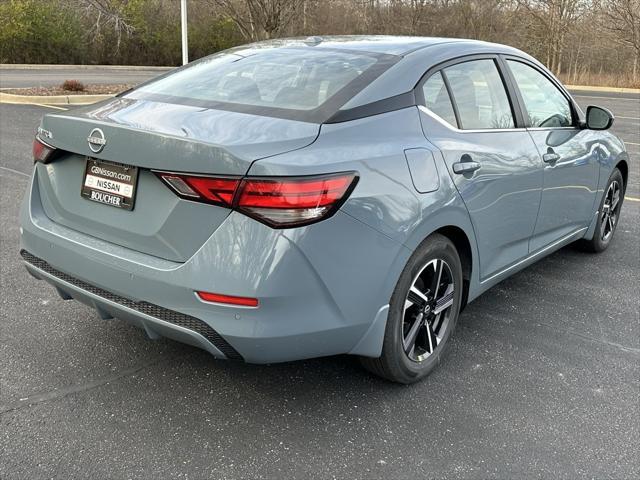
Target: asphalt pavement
x=541 y=380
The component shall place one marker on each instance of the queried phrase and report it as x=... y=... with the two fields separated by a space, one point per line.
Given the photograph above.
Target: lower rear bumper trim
x=164 y=314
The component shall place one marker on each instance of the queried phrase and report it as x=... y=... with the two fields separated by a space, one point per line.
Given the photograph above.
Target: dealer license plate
x=109 y=183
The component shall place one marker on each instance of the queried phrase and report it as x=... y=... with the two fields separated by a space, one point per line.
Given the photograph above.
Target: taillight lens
x=41 y=151
x=216 y=190
x=291 y=201
x=277 y=201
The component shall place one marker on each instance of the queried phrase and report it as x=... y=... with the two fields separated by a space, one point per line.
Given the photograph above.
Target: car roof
x=421 y=54
x=380 y=44
x=413 y=57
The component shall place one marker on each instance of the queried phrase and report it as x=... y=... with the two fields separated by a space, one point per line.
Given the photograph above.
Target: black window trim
x=514 y=104
x=415 y=97
x=575 y=117
x=389 y=104
x=447 y=85
x=324 y=113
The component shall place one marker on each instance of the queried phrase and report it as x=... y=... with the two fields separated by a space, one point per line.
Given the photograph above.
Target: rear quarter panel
x=385 y=198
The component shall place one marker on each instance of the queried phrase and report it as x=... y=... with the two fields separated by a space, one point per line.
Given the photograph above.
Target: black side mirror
x=598 y=118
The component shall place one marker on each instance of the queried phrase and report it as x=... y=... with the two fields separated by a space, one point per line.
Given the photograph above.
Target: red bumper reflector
x=228 y=299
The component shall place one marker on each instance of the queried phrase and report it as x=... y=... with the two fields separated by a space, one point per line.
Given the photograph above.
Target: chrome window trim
x=546 y=129
x=505 y=77
x=477 y=130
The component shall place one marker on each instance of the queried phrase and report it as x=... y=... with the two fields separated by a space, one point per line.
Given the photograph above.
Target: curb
x=586 y=88
x=24 y=66
x=53 y=99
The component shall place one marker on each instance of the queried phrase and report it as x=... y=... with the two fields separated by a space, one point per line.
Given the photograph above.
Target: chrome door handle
x=550 y=157
x=465 y=167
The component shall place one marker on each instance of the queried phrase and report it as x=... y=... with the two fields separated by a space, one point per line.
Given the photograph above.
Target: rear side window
x=479 y=95
x=545 y=104
x=437 y=98
x=270 y=81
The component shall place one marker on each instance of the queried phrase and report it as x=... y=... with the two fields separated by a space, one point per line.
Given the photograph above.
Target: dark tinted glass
x=437 y=98
x=479 y=95
x=278 y=78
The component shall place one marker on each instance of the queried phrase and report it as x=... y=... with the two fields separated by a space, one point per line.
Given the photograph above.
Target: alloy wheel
x=610 y=210
x=427 y=310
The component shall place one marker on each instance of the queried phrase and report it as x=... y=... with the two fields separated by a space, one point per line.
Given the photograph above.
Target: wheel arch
x=623 y=166
x=460 y=232
x=461 y=241
x=453 y=221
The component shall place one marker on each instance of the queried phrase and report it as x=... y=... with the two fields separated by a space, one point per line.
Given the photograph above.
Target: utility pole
x=183 y=21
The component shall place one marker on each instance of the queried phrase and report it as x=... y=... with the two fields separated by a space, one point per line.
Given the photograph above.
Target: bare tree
x=584 y=41
x=556 y=19
x=109 y=14
x=260 y=19
x=623 y=20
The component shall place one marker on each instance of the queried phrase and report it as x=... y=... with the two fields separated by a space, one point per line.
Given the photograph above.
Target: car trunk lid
x=156 y=136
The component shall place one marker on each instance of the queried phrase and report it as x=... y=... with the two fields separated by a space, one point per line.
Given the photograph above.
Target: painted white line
x=627 y=118
x=631 y=143
x=605 y=98
x=61 y=108
x=594 y=88
x=633 y=199
x=15 y=171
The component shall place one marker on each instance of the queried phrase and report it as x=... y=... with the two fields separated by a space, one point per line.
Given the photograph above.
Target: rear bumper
x=323 y=289
x=155 y=320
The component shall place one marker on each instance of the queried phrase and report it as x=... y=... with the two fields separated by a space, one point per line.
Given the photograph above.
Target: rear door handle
x=465 y=167
x=550 y=157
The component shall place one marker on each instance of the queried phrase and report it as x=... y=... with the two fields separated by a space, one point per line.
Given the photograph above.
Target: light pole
x=183 y=22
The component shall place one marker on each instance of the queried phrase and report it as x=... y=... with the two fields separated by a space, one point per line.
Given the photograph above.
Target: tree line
x=583 y=41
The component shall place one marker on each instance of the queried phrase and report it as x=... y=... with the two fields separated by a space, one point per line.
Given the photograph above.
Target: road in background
x=540 y=380
x=626 y=106
x=48 y=76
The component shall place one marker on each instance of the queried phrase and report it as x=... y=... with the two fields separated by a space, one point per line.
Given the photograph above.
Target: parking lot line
x=600 y=96
x=60 y=108
x=15 y=171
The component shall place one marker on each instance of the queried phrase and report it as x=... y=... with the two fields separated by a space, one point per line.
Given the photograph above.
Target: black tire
x=395 y=363
x=603 y=233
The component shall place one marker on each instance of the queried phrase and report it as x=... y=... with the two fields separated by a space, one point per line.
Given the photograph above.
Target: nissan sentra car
x=301 y=198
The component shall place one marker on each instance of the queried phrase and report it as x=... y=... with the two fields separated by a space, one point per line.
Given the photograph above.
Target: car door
x=467 y=114
x=569 y=153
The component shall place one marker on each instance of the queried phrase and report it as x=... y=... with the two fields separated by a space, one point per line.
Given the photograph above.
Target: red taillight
x=216 y=190
x=289 y=201
x=227 y=299
x=277 y=201
x=41 y=151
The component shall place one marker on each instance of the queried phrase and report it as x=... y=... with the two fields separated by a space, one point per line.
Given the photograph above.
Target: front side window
x=437 y=98
x=479 y=95
x=545 y=104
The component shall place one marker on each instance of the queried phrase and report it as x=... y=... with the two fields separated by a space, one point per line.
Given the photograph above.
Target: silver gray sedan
x=309 y=197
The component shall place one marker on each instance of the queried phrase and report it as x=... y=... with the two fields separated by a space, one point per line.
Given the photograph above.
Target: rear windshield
x=302 y=84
